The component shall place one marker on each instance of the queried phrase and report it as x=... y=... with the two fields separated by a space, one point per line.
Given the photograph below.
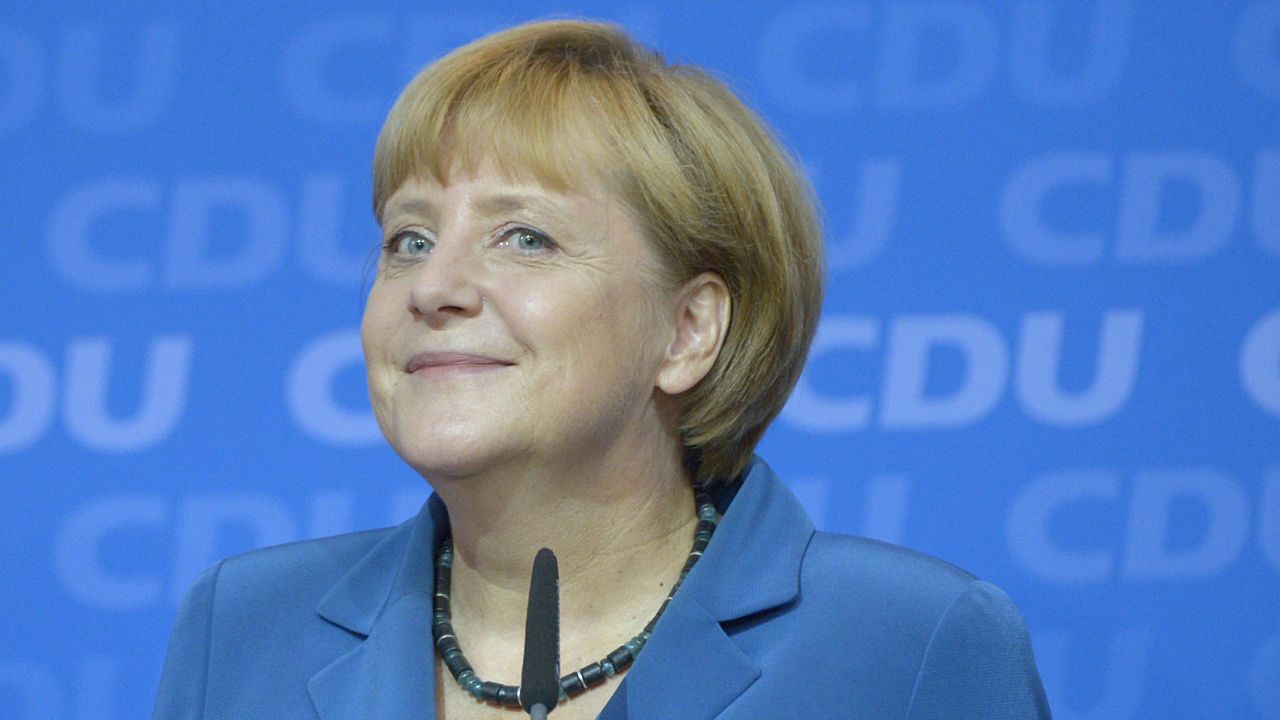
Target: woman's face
x=511 y=324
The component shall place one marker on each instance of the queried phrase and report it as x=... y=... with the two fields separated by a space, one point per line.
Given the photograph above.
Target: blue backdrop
x=1050 y=351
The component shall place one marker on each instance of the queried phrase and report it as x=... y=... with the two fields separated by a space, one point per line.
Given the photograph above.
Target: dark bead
x=593 y=674
x=489 y=691
x=470 y=683
x=637 y=643
x=572 y=685
x=509 y=696
x=621 y=659
x=456 y=662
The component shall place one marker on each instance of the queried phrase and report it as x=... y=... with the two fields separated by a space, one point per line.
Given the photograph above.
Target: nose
x=446 y=287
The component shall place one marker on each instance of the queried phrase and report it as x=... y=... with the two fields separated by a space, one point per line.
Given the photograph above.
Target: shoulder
x=887 y=598
x=888 y=573
x=957 y=644
x=257 y=611
x=921 y=585
x=272 y=594
x=299 y=571
x=264 y=591
x=918 y=589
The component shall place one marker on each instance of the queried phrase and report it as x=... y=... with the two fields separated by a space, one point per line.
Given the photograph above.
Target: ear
x=701 y=321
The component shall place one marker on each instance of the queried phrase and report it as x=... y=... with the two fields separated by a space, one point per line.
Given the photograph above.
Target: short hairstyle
x=562 y=101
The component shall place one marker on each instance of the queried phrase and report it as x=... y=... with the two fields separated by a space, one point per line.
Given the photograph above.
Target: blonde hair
x=561 y=101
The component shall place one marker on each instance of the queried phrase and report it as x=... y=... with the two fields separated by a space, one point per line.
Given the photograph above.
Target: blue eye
x=410 y=243
x=529 y=241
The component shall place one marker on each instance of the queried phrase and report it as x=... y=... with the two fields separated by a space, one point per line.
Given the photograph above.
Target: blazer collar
x=753 y=562
x=690 y=669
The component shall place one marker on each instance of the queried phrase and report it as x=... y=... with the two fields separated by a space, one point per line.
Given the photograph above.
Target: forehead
x=505 y=163
x=487 y=190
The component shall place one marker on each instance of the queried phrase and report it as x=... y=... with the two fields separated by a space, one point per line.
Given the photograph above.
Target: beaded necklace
x=574 y=683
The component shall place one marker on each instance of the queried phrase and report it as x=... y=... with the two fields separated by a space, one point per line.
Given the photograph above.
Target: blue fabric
x=776 y=620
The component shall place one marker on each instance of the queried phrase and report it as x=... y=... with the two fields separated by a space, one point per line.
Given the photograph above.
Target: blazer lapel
x=389 y=675
x=692 y=669
x=386 y=599
x=689 y=670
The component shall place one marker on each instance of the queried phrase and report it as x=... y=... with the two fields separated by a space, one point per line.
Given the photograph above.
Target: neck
x=620 y=535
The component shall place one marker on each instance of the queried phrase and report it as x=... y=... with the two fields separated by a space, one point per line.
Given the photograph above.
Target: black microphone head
x=540 y=676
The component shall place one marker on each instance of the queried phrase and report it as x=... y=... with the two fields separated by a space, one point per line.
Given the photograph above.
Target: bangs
x=537 y=111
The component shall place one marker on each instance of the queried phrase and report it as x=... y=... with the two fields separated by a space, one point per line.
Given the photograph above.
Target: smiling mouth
x=436 y=363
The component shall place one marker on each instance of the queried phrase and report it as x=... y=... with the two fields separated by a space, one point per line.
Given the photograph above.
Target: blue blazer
x=776 y=620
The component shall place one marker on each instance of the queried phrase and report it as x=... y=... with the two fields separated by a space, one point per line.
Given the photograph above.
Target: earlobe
x=701 y=322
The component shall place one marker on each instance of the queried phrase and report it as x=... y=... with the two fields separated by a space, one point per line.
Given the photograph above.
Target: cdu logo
x=198 y=529
x=81 y=388
x=942 y=55
x=79 y=77
x=1149 y=546
x=196 y=251
x=1140 y=186
x=988 y=366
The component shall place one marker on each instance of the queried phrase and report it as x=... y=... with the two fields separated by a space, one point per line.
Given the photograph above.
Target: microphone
x=540 y=675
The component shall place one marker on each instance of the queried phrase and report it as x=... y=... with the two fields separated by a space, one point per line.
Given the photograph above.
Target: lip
x=443 y=362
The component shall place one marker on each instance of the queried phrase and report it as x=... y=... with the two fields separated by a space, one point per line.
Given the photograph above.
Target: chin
x=443 y=450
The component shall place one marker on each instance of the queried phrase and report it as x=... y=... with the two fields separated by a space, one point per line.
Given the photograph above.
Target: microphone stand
x=540 y=674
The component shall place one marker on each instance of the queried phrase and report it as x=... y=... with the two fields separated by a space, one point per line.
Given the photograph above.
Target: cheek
x=378 y=320
x=371 y=342
x=543 y=316
x=377 y=327
x=618 y=332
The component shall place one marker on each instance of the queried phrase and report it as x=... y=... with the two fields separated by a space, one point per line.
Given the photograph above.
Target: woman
x=599 y=279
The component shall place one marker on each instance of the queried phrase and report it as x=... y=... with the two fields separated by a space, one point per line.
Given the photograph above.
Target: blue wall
x=1050 y=351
